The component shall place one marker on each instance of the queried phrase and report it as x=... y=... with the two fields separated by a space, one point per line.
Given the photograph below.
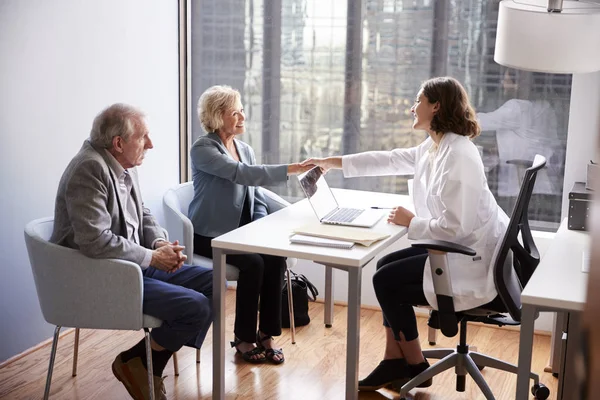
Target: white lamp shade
x=532 y=39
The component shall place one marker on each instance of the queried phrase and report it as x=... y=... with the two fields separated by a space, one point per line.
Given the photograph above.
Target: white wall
x=61 y=62
x=584 y=130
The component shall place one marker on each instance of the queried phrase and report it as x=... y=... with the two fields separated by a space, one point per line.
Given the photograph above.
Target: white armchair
x=81 y=292
x=176 y=203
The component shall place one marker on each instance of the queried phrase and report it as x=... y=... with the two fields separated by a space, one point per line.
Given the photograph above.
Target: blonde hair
x=213 y=103
x=116 y=120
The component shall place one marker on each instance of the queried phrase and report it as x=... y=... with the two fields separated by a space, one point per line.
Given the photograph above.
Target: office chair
x=523 y=258
x=176 y=203
x=81 y=292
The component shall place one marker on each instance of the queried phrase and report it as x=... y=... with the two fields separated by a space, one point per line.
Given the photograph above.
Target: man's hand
x=168 y=256
x=400 y=216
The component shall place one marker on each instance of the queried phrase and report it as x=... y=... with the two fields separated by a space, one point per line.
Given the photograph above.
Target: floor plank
x=314 y=367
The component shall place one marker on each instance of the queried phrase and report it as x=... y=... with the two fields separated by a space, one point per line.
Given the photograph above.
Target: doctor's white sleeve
x=378 y=163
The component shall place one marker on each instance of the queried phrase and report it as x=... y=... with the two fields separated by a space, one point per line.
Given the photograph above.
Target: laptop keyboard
x=345 y=215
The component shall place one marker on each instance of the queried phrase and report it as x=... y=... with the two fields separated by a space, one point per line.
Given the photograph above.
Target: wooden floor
x=314 y=367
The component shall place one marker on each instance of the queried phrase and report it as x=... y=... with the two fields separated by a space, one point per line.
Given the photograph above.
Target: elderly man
x=99 y=211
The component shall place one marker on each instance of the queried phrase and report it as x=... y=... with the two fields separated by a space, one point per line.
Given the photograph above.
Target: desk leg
x=328 y=296
x=525 y=348
x=569 y=384
x=353 y=335
x=558 y=327
x=218 y=324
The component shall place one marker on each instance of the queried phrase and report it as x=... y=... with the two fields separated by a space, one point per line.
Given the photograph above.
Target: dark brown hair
x=455 y=113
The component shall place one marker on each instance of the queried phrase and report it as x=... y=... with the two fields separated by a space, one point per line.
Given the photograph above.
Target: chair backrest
x=525 y=255
x=77 y=291
x=176 y=203
x=181 y=196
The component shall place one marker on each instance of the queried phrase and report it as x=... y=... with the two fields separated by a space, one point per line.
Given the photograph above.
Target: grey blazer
x=89 y=215
x=220 y=185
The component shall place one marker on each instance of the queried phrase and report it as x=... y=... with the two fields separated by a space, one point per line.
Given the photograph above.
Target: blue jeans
x=183 y=301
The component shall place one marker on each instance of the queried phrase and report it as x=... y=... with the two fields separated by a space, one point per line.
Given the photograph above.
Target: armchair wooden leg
x=51 y=364
x=291 y=307
x=75 y=352
x=175 y=364
x=197 y=356
x=149 y=363
x=432 y=336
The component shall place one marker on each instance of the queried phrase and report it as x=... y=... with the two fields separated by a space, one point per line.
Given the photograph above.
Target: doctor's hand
x=325 y=163
x=400 y=216
x=298 y=168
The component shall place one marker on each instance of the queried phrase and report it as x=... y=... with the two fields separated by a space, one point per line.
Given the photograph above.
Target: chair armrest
x=442 y=245
x=274 y=201
x=442 y=281
x=178 y=225
x=78 y=291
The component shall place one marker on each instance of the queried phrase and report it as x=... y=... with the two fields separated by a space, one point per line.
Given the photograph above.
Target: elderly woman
x=226 y=196
x=452 y=202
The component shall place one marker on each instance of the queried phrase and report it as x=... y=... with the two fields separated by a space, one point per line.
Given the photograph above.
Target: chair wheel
x=540 y=391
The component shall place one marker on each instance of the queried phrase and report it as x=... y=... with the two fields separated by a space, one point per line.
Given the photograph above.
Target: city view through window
x=318 y=78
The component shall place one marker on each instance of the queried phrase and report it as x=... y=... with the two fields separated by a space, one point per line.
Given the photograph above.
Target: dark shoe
x=414 y=370
x=254 y=356
x=270 y=353
x=385 y=373
x=134 y=377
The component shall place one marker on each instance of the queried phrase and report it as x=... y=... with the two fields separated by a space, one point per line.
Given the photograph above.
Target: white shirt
x=452 y=202
x=124 y=187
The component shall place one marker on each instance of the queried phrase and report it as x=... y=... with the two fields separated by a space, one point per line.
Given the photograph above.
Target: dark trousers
x=183 y=301
x=398 y=285
x=260 y=282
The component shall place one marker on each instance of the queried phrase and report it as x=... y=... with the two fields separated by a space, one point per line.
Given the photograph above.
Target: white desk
x=558 y=284
x=270 y=235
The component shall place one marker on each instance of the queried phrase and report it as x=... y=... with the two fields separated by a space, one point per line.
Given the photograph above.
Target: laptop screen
x=318 y=192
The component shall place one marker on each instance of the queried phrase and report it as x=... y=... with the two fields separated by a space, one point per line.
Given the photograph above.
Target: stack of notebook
x=335 y=236
x=319 y=241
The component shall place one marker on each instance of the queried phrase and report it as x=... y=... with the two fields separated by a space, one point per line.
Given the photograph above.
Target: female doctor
x=452 y=202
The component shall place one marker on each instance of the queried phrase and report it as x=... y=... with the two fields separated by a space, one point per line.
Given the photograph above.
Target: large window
x=330 y=77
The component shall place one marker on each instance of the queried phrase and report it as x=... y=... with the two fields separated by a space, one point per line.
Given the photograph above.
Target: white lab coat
x=452 y=202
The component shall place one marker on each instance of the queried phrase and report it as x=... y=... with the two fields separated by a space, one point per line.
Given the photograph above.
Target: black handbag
x=302 y=291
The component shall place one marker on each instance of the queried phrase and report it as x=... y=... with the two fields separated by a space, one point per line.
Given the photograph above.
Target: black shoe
x=385 y=373
x=414 y=370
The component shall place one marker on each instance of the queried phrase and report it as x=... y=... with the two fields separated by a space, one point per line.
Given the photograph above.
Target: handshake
x=324 y=163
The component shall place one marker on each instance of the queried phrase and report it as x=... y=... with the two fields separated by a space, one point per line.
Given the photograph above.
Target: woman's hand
x=298 y=168
x=325 y=163
x=400 y=216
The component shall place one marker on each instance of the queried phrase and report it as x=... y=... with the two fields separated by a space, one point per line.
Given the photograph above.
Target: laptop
x=326 y=207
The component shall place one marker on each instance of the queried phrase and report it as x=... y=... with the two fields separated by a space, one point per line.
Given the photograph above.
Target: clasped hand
x=168 y=256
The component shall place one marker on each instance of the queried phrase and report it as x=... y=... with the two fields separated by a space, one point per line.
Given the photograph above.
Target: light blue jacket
x=220 y=185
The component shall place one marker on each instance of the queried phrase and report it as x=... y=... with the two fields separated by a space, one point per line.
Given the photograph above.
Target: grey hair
x=116 y=120
x=215 y=101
